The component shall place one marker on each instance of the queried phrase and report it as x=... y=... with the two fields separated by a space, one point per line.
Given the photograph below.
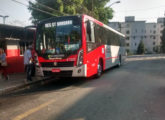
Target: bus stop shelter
x=14 y=40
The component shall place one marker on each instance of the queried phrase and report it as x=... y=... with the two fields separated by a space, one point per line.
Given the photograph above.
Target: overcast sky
x=148 y=10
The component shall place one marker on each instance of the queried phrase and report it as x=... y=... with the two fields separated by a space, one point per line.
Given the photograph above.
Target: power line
x=47 y=7
x=65 y=2
x=34 y=8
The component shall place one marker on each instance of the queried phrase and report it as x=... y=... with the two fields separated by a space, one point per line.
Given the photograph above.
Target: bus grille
x=59 y=64
x=60 y=74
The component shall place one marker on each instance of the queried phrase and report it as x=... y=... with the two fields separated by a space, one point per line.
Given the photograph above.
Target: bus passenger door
x=90 y=46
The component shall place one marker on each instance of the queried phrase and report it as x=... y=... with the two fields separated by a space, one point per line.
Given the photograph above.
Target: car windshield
x=59 y=37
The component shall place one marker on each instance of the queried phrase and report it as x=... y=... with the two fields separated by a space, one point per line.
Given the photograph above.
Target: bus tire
x=99 y=69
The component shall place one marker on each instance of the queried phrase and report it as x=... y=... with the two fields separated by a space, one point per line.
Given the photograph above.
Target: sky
x=18 y=14
x=148 y=10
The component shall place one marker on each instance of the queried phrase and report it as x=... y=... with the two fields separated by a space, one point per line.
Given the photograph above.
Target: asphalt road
x=135 y=91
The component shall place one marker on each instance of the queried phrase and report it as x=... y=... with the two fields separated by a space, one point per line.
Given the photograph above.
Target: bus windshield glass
x=59 y=36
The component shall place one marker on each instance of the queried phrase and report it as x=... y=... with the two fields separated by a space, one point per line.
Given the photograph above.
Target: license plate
x=56 y=70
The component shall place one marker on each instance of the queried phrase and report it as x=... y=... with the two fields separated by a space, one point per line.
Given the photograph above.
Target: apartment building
x=136 y=31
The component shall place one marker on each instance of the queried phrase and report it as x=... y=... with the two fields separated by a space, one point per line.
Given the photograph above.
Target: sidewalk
x=14 y=81
x=18 y=81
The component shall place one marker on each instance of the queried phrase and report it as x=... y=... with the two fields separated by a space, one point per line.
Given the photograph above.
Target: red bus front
x=59 y=47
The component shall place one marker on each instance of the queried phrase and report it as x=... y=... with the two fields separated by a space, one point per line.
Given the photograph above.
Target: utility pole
x=4 y=18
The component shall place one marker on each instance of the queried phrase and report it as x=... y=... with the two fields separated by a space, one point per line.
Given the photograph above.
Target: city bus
x=77 y=46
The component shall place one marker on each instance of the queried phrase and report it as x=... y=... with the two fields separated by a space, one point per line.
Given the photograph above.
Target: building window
x=135 y=44
x=150 y=31
x=127 y=25
x=134 y=37
x=153 y=43
x=127 y=38
x=154 y=31
x=154 y=26
x=127 y=44
x=154 y=37
x=127 y=32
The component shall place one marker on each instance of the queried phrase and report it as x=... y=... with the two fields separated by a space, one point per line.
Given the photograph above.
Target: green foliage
x=95 y=8
x=141 y=48
x=163 y=41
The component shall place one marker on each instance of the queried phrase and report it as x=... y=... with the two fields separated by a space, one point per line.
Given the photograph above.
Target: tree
x=141 y=48
x=95 y=8
x=163 y=41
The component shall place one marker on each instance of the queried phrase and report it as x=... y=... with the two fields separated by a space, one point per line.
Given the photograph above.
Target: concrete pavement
x=18 y=82
x=14 y=81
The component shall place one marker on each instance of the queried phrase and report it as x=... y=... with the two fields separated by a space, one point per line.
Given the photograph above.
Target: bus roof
x=104 y=25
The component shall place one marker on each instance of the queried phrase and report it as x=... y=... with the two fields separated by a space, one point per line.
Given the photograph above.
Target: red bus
x=77 y=46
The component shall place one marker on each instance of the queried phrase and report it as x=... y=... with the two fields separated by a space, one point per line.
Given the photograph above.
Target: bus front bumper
x=65 y=71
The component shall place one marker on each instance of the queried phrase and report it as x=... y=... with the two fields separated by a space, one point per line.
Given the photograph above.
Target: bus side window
x=90 y=36
x=90 y=31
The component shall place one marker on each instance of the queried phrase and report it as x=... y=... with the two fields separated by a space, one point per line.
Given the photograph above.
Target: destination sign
x=60 y=23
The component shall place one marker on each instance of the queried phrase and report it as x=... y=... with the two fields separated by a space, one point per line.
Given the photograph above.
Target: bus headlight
x=80 y=58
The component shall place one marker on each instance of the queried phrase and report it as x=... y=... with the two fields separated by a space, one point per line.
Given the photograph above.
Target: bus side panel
x=93 y=60
x=112 y=55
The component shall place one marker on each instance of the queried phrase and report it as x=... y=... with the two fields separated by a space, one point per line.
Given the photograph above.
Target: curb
x=21 y=86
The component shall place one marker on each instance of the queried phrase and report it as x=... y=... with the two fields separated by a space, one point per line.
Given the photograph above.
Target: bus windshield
x=59 y=37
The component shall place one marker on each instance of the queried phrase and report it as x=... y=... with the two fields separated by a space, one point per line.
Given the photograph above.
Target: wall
x=15 y=61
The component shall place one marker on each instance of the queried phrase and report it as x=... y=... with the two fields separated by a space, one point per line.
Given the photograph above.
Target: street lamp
x=114 y=3
x=4 y=18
